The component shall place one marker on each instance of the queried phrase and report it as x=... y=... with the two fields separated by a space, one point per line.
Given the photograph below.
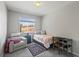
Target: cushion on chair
x=15 y=40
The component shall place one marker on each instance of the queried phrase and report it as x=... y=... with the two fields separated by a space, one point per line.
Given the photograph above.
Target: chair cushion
x=15 y=39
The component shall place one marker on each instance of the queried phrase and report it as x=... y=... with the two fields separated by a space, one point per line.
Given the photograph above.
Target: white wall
x=3 y=27
x=64 y=22
x=13 y=24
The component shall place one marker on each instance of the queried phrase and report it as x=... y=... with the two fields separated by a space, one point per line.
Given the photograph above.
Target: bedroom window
x=27 y=25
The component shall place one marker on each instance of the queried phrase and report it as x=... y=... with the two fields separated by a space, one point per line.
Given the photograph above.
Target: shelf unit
x=62 y=44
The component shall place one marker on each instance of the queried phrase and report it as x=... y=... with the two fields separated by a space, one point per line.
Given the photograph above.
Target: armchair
x=15 y=43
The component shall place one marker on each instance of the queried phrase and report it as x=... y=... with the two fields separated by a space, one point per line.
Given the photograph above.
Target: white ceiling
x=30 y=8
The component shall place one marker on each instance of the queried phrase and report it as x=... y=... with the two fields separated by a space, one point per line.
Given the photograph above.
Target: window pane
x=27 y=25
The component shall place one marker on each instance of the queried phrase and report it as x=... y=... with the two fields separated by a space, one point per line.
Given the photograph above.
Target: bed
x=46 y=40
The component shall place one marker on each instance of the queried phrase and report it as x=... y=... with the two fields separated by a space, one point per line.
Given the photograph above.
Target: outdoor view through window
x=27 y=25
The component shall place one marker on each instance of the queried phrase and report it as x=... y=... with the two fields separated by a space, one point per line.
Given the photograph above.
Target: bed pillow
x=38 y=32
x=43 y=32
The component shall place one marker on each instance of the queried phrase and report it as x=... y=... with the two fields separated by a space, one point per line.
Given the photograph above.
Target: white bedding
x=46 y=40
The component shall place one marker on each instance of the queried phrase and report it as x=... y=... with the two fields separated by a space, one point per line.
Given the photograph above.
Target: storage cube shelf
x=63 y=44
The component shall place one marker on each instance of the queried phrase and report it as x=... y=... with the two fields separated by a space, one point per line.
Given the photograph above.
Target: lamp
x=37 y=4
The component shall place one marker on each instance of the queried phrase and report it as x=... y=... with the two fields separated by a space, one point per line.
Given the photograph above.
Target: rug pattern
x=35 y=48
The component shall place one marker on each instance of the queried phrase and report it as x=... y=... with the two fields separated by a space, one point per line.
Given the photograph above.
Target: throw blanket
x=47 y=38
x=9 y=40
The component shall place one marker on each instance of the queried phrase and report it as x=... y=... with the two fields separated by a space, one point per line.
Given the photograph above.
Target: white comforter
x=46 y=40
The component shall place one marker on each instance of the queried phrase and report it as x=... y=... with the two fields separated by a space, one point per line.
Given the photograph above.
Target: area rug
x=35 y=48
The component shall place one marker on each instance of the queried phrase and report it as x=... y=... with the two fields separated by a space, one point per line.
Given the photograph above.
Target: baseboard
x=76 y=54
